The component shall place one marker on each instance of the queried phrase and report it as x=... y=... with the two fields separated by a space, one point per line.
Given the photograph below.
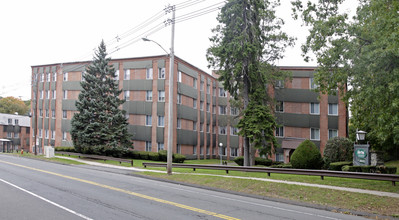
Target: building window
x=179 y=76
x=202 y=86
x=161 y=121
x=208 y=107
x=195 y=103
x=126 y=74
x=54 y=94
x=10 y=121
x=160 y=146
x=201 y=127
x=161 y=95
x=65 y=94
x=214 y=91
x=178 y=148
x=16 y=135
x=214 y=151
x=333 y=109
x=201 y=105
x=47 y=113
x=194 y=150
x=54 y=76
x=126 y=95
x=279 y=84
x=314 y=134
x=233 y=110
x=65 y=76
x=234 y=152
x=194 y=125
x=52 y=135
x=46 y=133
x=40 y=133
x=214 y=109
x=148 y=95
x=42 y=77
x=208 y=89
x=41 y=94
x=161 y=73
x=83 y=76
x=222 y=130
x=16 y=121
x=64 y=136
x=332 y=133
x=53 y=113
x=40 y=113
x=9 y=135
x=233 y=131
x=280 y=131
x=207 y=128
x=222 y=93
x=149 y=73
x=178 y=126
x=222 y=110
x=312 y=84
x=178 y=98
x=148 y=146
x=314 y=108
x=48 y=94
x=148 y=120
x=201 y=150
x=195 y=83
x=279 y=157
x=48 y=75
x=116 y=75
x=207 y=150
x=214 y=129
x=280 y=106
x=64 y=114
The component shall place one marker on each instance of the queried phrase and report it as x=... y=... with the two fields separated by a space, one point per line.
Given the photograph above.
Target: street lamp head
x=361 y=135
x=145 y=39
x=221 y=144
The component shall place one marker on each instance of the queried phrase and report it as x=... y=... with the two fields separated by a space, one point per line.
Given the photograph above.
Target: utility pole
x=170 y=104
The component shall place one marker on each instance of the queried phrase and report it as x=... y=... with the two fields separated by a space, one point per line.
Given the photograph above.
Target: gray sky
x=47 y=31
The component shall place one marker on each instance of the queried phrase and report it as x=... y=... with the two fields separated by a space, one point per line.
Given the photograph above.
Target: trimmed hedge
x=178 y=158
x=287 y=165
x=337 y=166
x=66 y=149
x=306 y=156
x=258 y=161
x=370 y=169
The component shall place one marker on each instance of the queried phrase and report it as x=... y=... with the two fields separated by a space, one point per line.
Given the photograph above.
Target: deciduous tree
x=11 y=105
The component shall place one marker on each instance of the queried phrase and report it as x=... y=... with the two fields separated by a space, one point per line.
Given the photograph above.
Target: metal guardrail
x=105 y=158
x=322 y=173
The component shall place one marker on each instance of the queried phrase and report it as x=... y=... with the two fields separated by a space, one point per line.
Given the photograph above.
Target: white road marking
x=46 y=200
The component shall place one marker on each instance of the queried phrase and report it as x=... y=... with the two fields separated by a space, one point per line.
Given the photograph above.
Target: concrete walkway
x=371 y=192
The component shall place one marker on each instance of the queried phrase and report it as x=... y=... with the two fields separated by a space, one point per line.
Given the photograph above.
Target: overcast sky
x=46 y=31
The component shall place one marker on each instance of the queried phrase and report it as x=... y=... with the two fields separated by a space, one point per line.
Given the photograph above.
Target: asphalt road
x=33 y=189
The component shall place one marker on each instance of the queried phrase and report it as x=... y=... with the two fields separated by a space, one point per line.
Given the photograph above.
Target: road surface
x=34 y=189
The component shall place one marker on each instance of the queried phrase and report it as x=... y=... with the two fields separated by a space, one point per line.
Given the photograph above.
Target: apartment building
x=14 y=132
x=203 y=117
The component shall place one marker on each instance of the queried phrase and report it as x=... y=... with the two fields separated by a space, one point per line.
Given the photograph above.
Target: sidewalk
x=371 y=192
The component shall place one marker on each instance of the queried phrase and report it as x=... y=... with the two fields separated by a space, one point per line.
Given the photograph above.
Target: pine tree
x=100 y=125
x=246 y=44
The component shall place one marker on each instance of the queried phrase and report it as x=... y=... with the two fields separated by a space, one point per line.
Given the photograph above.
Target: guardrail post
x=193 y=169
x=393 y=183
x=322 y=177
x=131 y=162
x=268 y=174
x=227 y=171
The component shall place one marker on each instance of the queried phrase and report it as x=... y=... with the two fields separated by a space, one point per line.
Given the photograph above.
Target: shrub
x=153 y=156
x=144 y=155
x=239 y=160
x=385 y=169
x=306 y=156
x=178 y=158
x=338 y=165
x=345 y=168
x=287 y=165
x=338 y=149
x=263 y=161
x=66 y=149
x=163 y=155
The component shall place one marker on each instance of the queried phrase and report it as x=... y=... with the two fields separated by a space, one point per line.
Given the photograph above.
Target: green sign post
x=361 y=155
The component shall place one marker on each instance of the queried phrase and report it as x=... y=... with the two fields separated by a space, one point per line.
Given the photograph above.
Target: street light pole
x=170 y=104
x=220 y=152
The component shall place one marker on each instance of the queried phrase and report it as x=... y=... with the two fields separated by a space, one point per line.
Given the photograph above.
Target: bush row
x=337 y=166
x=370 y=169
x=258 y=161
x=131 y=154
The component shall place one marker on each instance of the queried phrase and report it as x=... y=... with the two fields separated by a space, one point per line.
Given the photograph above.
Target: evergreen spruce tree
x=100 y=126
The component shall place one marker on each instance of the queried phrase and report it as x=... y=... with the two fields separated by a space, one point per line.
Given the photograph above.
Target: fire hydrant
x=22 y=151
